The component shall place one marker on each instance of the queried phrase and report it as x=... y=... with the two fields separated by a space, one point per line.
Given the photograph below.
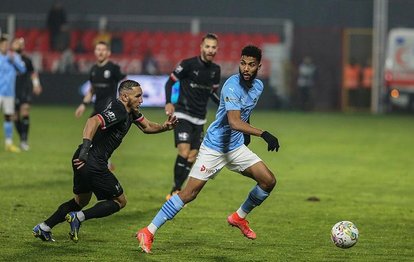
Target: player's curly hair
x=127 y=85
x=252 y=51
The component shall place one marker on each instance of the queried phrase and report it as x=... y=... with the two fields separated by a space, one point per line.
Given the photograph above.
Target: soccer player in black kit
x=26 y=85
x=199 y=79
x=104 y=77
x=103 y=133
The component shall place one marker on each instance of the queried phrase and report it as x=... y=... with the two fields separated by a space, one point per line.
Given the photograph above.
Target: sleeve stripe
x=101 y=119
x=173 y=77
x=140 y=119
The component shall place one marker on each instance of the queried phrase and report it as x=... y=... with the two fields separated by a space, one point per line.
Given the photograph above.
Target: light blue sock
x=255 y=198
x=8 y=129
x=168 y=211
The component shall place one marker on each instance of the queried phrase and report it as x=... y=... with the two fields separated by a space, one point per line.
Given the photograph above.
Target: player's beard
x=247 y=83
x=204 y=57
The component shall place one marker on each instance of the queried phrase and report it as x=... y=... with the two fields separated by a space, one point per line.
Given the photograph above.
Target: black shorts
x=95 y=177
x=187 y=132
x=23 y=97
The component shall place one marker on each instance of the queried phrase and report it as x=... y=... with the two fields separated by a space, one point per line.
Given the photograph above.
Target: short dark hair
x=252 y=51
x=103 y=43
x=127 y=85
x=210 y=36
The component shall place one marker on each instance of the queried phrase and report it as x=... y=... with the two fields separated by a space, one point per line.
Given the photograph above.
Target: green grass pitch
x=360 y=166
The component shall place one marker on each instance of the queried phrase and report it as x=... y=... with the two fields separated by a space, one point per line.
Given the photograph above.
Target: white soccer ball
x=344 y=234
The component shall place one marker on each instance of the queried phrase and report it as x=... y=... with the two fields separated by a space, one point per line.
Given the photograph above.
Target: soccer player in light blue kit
x=11 y=63
x=223 y=146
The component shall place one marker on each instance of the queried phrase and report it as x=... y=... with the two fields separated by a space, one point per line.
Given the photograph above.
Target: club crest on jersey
x=107 y=74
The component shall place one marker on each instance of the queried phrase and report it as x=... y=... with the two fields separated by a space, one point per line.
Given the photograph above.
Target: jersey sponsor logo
x=229 y=99
x=107 y=74
x=195 y=85
x=183 y=136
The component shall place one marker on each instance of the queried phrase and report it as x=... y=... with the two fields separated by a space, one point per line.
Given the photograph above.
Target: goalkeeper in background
x=224 y=145
x=103 y=133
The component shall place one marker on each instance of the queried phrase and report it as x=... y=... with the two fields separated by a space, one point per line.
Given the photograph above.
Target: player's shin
x=255 y=198
x=60 y=213
x=102 y=209
x=167 y=212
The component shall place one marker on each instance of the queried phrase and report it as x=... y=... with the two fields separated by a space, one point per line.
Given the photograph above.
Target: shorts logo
x=183 y=136
x=208 y=170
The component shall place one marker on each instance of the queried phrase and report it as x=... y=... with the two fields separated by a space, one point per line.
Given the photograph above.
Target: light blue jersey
x=220 y=136
x=8 y=71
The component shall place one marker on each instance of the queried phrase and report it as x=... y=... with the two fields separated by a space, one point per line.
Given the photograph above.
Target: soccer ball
x=344 y=234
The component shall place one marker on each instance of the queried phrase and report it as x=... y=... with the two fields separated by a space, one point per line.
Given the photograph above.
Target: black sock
x=60 y=213
x=188 y=169
x=18 y=125
x=179 y=172
x=25 y=123
x=102 y=209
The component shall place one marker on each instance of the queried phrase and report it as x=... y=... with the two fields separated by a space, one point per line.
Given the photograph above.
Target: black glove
x=84 y=151
x=272 y=142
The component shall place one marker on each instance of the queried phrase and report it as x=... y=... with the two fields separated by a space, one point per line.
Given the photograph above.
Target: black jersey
x=104 y=80
x=115 y=123
x=197 y=80
x=24 y=86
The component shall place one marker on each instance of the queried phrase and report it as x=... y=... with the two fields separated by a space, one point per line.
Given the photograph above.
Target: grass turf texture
x=360 y=167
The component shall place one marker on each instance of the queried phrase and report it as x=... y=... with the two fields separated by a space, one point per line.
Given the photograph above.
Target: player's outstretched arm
x=236 y=123
x=149 y=127
x=86 y=100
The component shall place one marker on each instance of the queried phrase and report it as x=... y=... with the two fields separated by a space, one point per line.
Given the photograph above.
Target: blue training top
x=220 y=136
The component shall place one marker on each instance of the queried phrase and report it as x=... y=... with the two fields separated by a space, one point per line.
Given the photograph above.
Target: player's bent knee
x=121 y=203
x=269 y=183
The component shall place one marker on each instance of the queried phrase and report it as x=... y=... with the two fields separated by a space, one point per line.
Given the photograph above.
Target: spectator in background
x=352 y=81
x=306 y=82
x=367 y=75
x=57 y=25
x=149 y=64
x=103 y=35
x=10 y=64
x=26 y=84
x=67 y=62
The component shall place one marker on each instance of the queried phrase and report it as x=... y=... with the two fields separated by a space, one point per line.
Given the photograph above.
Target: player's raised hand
x=79 y=111
x=271 y=140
